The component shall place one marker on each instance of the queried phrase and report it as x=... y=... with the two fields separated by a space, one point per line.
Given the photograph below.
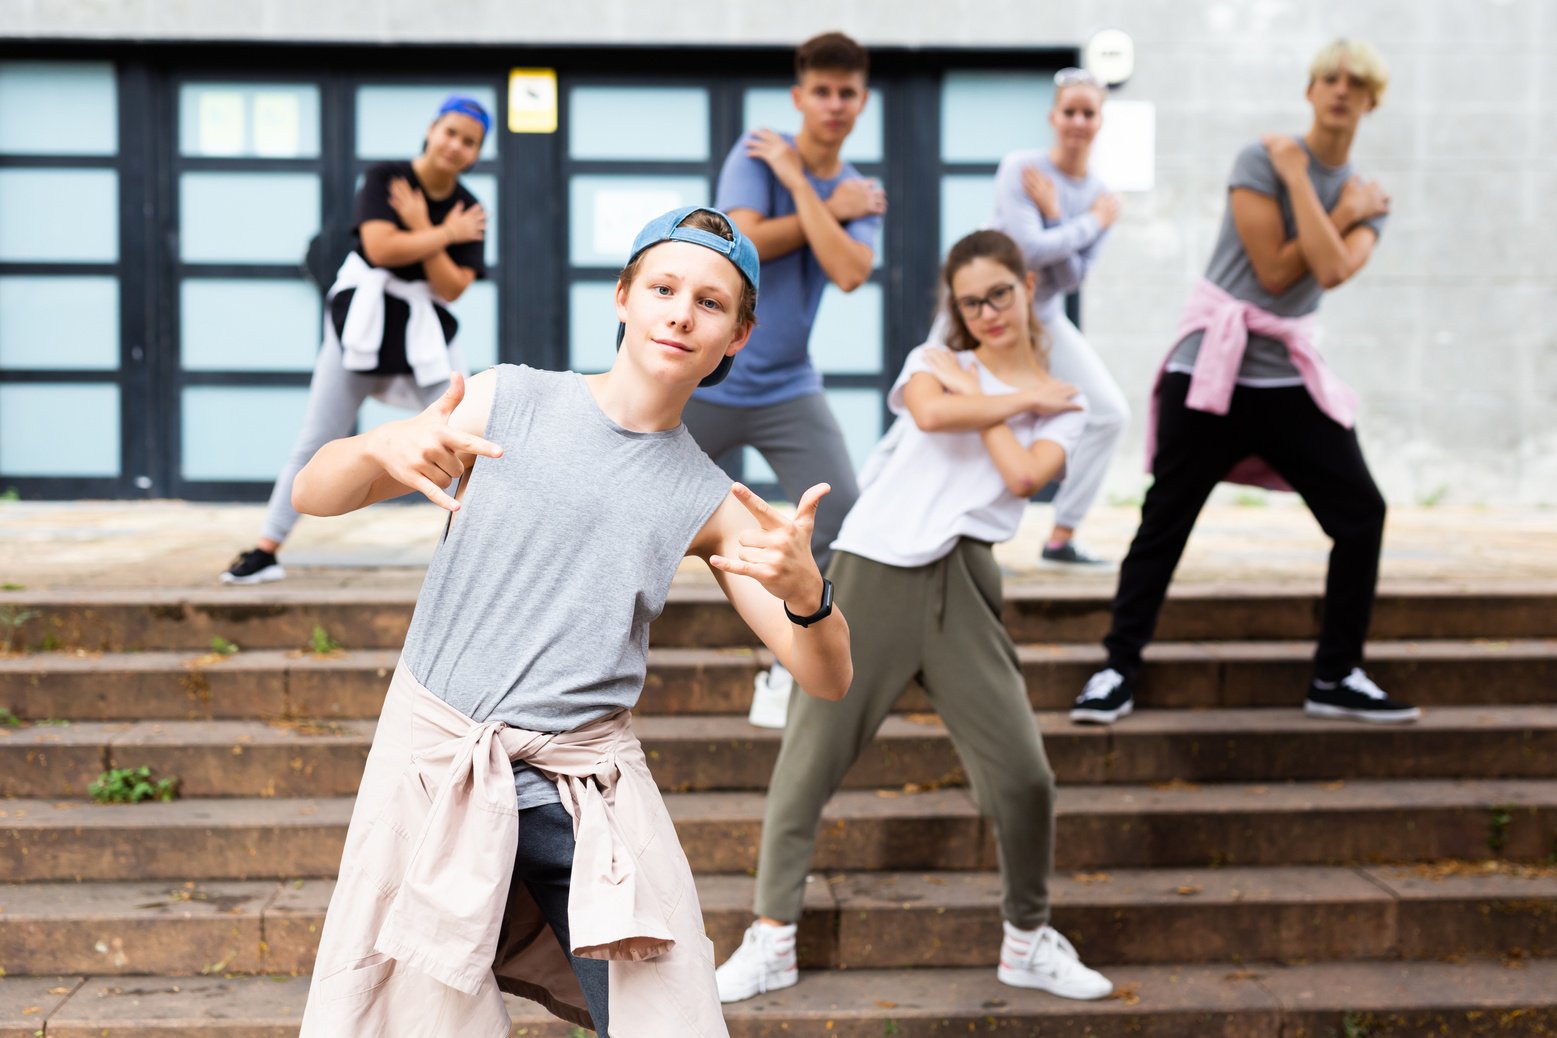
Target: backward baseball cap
x=739 y=250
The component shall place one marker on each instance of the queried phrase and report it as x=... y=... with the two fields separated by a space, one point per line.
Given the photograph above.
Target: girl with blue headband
x=577 y=498
x=388 y=332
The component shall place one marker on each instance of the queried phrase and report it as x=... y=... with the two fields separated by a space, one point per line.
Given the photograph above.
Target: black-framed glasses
x=1071 y=76
x=999 y=301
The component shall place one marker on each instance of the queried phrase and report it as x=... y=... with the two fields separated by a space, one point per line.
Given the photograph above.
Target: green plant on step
x=1356 y=1025
x=12 y=619
x=8 y=718
x=10 y=494
x=222 y=647
x=1497 y=827
x=321 y=643
x=11 y=585
x=131 y=786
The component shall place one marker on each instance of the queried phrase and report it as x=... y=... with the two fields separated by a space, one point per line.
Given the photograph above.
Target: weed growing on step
x=11 y=585
x=10 y=494
x=1357 y=1025
x=222 y=647
x=321 y=644
x=8 y=718
x=1434 y=497
x=12 y=619
x=1497 y=827
x=131 y=786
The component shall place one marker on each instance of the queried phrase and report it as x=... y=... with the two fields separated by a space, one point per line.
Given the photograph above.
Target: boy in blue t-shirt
x=814 y=219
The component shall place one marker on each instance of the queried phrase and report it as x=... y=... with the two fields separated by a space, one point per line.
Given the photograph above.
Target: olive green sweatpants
x=941 y=623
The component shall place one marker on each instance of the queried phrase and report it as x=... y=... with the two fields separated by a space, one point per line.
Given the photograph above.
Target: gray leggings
x=800 y=439
x=334 y=397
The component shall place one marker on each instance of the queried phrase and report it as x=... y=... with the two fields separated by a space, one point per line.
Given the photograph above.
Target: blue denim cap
x=741 y=252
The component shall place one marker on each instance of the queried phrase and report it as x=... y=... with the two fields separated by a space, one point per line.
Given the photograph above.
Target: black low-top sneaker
x=1105 y=699
x=1357 y=697
x=254 y=567
x=1068 y=555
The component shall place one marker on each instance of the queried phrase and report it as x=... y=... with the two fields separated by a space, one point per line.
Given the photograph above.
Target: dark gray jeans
x=800 y=439
x=544 y=864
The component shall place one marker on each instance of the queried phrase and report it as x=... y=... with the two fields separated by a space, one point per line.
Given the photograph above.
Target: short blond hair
x=1360 y=58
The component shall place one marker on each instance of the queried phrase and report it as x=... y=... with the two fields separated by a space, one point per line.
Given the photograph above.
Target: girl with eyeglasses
x=1058 y=212
x=982 y=424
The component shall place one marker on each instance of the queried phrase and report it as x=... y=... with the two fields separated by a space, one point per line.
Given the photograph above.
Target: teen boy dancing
x=814 y=220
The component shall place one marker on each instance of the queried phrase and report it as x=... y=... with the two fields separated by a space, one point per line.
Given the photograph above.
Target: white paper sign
x=1124 y=153
x=620 y=214
x=221 y=123
x=278 y=126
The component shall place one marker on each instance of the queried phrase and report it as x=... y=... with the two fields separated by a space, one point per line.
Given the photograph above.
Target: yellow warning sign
x=532 y=100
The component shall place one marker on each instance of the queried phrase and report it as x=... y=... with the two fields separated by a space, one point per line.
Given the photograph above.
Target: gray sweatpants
x=941 y=623
x=334 y=397
x=1072 y=359
x=800 y=439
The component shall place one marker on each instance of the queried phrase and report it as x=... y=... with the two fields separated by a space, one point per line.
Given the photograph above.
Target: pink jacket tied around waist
x=1227 y=322
x=425 y=929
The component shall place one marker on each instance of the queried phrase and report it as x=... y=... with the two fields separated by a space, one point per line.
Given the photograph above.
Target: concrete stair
x=1236 y=868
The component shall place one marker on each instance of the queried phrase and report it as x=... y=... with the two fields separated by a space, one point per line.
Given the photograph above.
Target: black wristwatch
x=822 y=613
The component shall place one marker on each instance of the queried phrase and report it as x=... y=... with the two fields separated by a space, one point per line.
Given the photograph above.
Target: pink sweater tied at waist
x=1227 y=322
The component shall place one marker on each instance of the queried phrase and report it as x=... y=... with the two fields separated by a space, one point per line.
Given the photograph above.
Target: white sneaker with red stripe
x=764 y=962
x=1045 y=960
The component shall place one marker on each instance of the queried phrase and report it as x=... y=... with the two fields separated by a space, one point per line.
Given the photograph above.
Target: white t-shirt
x=920 y=492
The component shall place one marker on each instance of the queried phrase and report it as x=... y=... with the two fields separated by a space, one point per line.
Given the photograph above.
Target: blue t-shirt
x=776 y=364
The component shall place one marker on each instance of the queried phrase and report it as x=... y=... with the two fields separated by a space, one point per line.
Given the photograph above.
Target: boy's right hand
x=1362 y=200
x=857 y=198
x=463 y=225
x=423 y=452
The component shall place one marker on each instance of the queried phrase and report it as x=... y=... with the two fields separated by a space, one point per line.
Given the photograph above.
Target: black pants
x=544 y=864
x=1322 y=461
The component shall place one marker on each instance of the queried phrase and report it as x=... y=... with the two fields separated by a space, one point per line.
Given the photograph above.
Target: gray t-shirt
x=1060 y=252
x=1265 y=361
x=537 y=604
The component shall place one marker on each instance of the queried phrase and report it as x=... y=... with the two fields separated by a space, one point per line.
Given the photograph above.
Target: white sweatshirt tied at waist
x=363 y=331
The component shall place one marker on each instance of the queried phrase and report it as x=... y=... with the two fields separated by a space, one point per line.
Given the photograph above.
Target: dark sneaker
x=1357 y=697
x=1105 y=699
x=254 y=567
x=1069 y=554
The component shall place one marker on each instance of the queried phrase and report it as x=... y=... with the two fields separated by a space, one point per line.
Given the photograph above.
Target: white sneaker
x=770 y=698
x=1045 y=960
x=764 y=962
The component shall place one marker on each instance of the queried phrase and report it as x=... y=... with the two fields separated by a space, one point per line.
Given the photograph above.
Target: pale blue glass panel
x=986 y=114
x=49 y=429
x=847 y=333
x=247 y=217
x=392 y=121
x=592 y=325
x=64 y=323
x=476 y=311
x=645 y=123
x=606 y=212
x=375 y=414
x=773 y=108
x=58 y=108
x=264 y=120
x=228 y=324
x=59 y=215
x=484 y=187
x=239 y=433
x=859 y=416
x=967 y=204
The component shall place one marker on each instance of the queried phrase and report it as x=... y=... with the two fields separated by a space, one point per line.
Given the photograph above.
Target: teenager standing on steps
x=388 y=333
x=814 y=220
x=981 y=427
x=1244 y=395
x=1059 y=213
x=525 y=655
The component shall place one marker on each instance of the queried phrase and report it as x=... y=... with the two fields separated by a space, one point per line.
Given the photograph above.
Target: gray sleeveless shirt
x=537 y=604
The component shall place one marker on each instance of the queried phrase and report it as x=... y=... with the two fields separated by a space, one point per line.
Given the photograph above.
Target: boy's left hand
x=777 y=554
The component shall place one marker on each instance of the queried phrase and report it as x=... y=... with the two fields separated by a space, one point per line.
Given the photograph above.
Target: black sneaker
x=1357 y=697
x=254 y=567
x=1105 y=699
x=1069 y=554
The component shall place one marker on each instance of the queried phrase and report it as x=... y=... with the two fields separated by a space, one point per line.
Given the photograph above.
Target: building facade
x=164 y=167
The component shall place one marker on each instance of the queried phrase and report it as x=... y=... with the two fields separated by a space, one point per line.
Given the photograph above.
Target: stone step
x=696 y=615
x=722 y=753
x=880 y=920
x=273 y=684
x=1174 y=824
x=1232 y=1000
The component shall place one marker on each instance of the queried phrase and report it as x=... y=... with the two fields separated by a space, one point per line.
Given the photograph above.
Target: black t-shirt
x=373 y=204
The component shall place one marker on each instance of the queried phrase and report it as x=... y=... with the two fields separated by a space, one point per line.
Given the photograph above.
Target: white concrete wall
x=1448 y=334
